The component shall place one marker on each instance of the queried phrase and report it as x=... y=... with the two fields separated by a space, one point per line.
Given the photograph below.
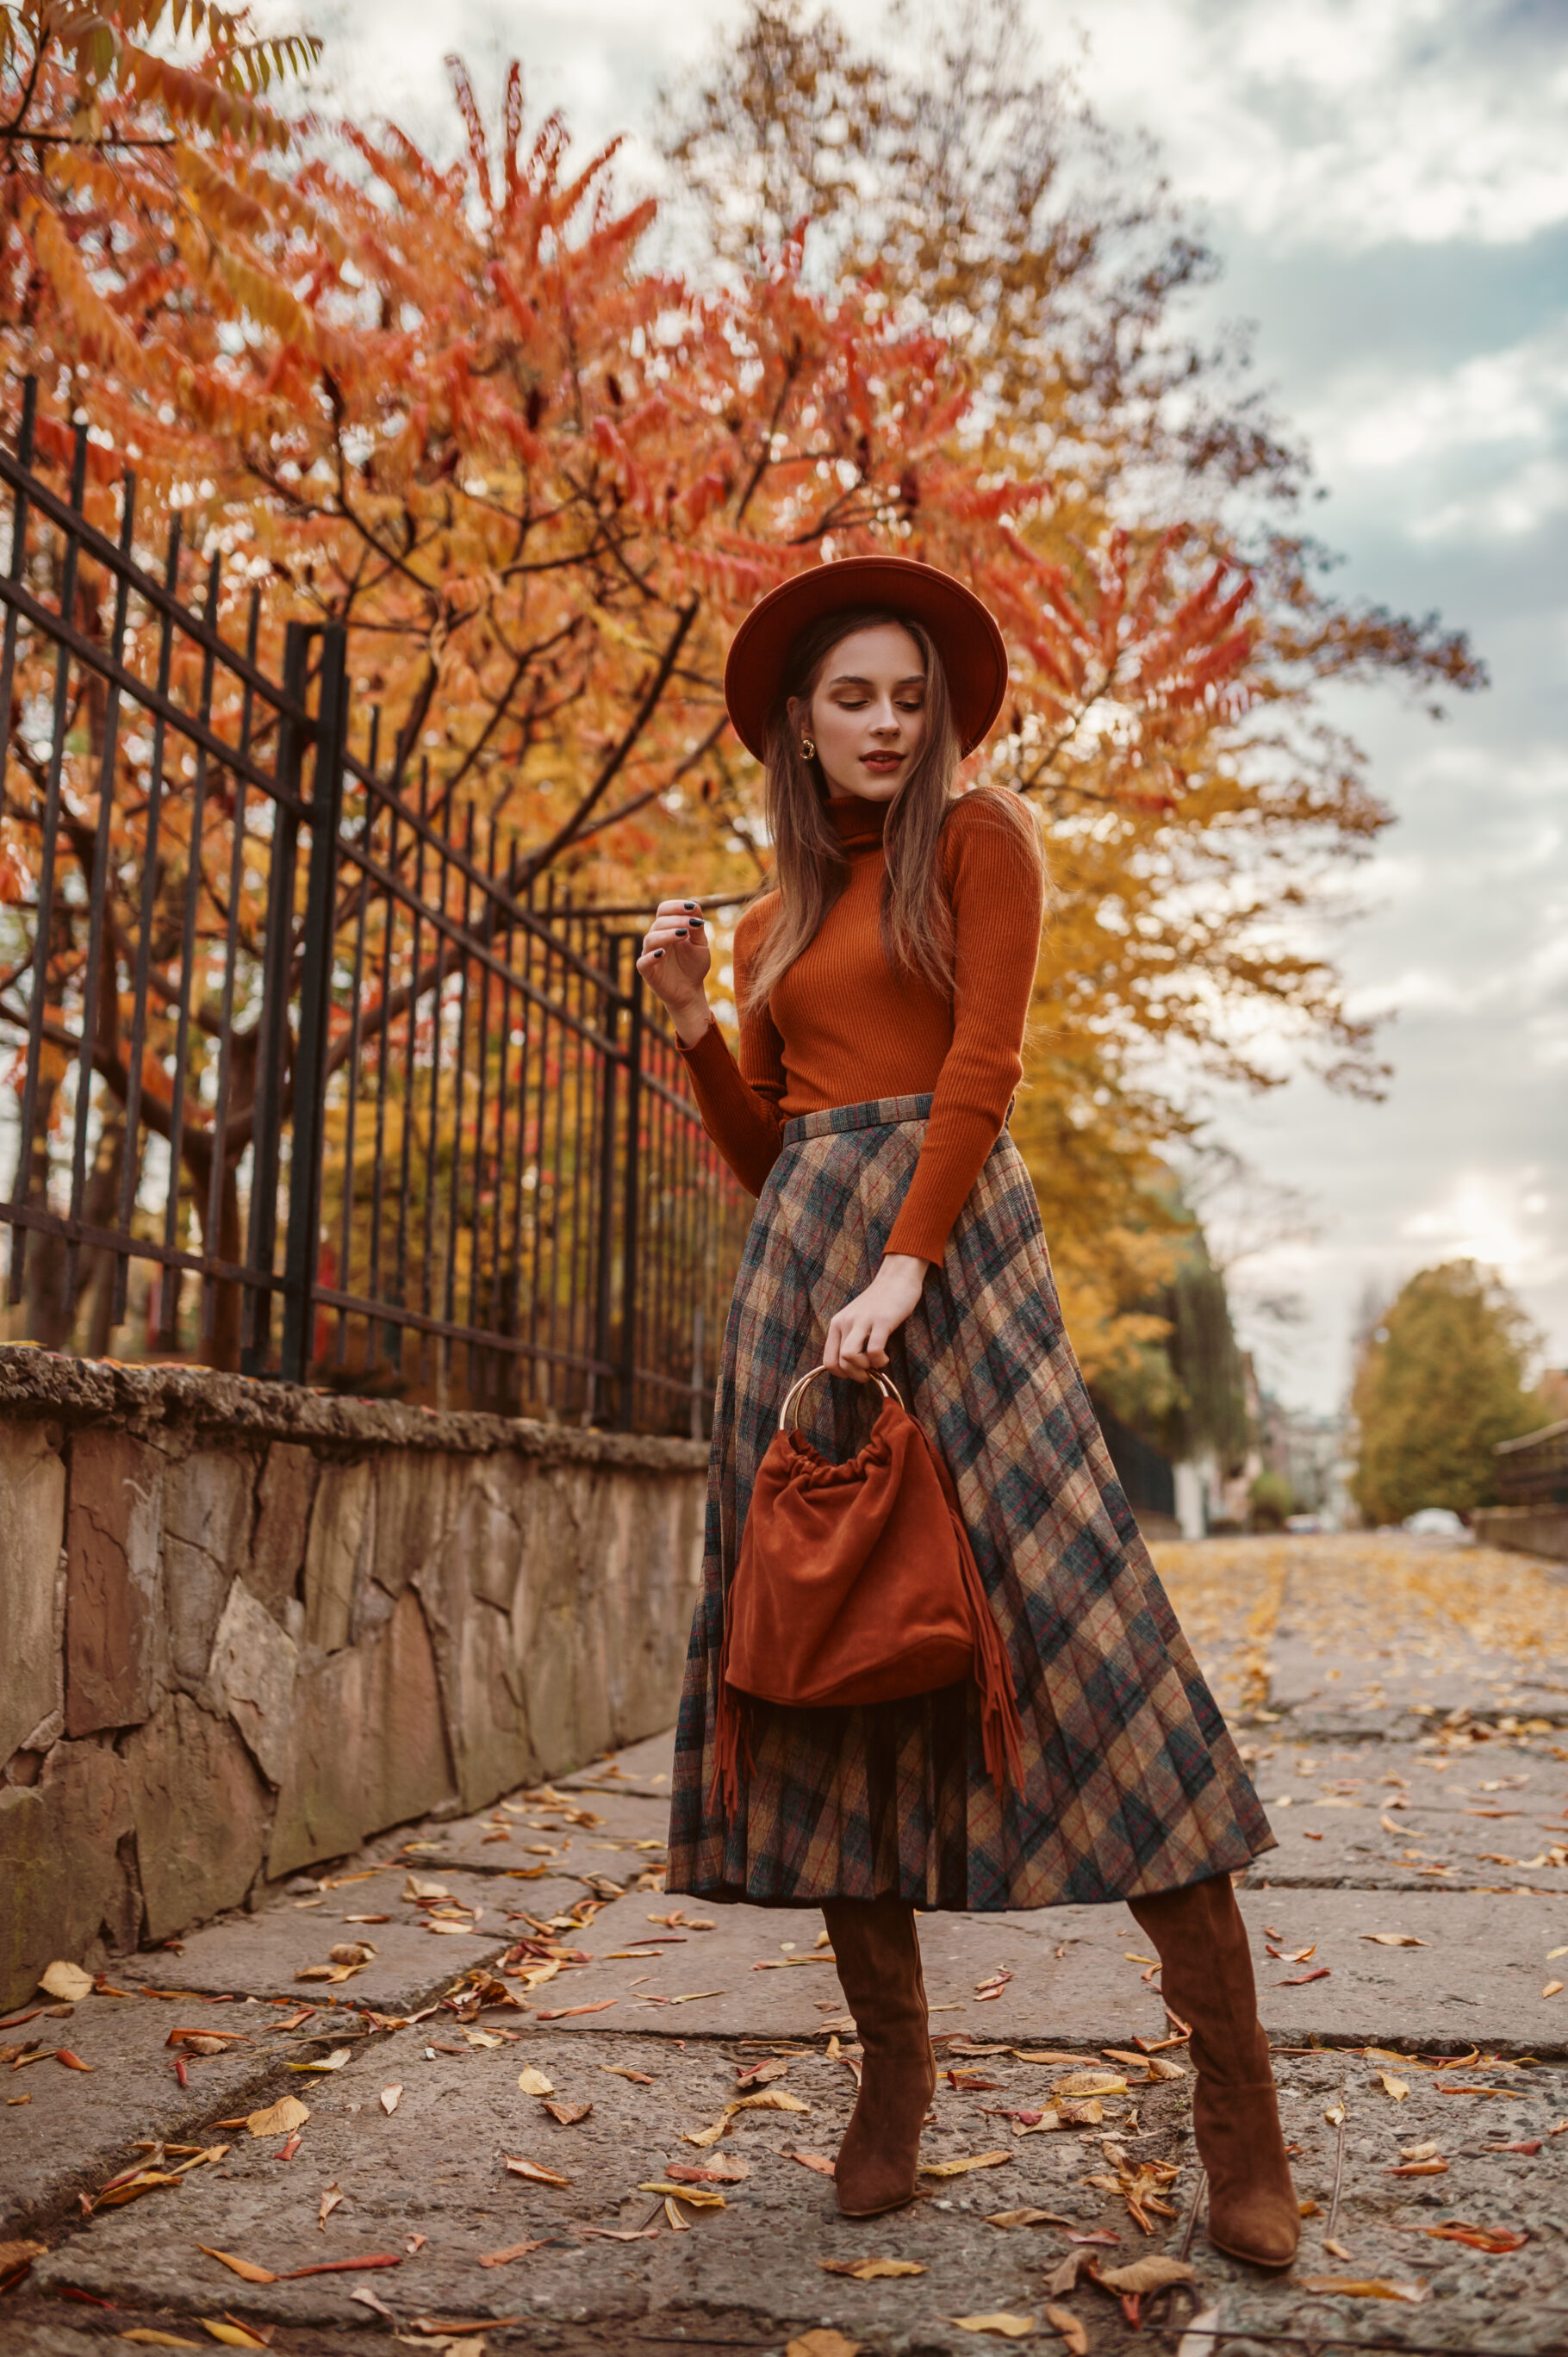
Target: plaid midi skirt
x=1132 y=1783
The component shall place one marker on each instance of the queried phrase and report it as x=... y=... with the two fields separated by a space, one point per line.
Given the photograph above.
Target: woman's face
x=867 y=712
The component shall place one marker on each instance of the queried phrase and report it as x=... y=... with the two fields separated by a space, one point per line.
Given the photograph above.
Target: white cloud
x=1357 y=122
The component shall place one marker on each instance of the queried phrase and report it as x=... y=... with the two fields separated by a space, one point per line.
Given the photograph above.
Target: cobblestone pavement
x=560 y=2111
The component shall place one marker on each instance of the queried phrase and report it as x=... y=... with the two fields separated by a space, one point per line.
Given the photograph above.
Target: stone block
x=341 y=1528
x=114 y=1637
x=369 y=1745
x=284 y=1498
x=64 y=1871
x=32 y=1530
x=251 y=1678
x=200 y=1813
x=416 y=1499
x=206 y=1535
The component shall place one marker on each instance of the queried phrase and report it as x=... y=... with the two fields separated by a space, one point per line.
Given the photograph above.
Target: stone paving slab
x=610 y=1834
x=261 y=1954
x=76 y=2128
x=434 y=2167
x=1488 y=1815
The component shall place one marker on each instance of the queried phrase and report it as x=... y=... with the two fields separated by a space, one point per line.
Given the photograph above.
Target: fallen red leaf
x=514 y=2251
x=73 y=2061
x=812 y=2160
x=1530 y=2149
x=1300 y=1980
x=344 y=2267
x=565 y=2012
x=1479 y=2238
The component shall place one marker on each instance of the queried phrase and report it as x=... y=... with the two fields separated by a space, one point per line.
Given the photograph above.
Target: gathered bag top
x=856 y=1583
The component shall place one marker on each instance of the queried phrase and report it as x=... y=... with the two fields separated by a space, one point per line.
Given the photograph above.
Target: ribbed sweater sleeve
x=997 y=892
x=739 y=1102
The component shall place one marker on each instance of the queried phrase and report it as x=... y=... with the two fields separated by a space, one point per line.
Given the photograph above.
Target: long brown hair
x=811 y=869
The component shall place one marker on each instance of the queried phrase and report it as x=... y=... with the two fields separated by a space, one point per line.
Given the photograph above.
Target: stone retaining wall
x=1529 y=1529
x=242 y=1626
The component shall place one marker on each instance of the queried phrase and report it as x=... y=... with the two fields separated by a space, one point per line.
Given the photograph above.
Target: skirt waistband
x=876 y=1112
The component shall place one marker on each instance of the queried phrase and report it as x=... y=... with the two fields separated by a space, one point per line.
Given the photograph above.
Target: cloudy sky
x=1387 y=182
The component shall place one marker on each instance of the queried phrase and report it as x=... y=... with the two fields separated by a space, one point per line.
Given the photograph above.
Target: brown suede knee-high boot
x=1201 y=1942
x=879 y=1959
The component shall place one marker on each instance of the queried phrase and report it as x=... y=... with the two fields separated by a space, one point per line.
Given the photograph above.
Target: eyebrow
x=852 y=679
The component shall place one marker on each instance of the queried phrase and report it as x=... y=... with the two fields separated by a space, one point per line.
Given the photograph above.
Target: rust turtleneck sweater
x=843 y=1026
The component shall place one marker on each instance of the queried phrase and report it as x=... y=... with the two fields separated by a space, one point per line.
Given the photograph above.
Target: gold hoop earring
x=808 y=749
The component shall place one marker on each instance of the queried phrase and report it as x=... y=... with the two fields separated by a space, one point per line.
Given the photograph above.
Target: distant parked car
x=1436 y=1523
x=1305 y=1526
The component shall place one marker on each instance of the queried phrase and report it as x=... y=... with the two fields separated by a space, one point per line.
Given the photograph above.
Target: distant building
x=1314 y=1454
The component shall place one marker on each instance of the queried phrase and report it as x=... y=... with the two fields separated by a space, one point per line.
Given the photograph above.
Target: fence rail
x=314 y=1077
x=1533 y=1470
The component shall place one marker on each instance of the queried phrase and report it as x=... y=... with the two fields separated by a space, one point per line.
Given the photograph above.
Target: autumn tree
x=1441 y=1382
x=1193 y=821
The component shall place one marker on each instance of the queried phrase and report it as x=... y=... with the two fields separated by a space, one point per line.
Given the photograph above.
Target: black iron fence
x=311 y=1081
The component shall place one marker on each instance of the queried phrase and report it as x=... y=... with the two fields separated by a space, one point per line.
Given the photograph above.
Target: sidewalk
x=1407 y=1710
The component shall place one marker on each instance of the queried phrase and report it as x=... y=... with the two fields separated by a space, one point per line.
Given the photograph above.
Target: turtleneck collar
x=857 y=821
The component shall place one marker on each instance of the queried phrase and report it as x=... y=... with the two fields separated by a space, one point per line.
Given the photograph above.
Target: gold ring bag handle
x=888 y=1390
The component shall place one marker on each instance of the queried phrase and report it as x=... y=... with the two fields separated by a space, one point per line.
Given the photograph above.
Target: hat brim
x=964 y=629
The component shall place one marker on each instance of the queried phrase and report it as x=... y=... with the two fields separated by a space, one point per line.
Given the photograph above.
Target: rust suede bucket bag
x=856 y=1583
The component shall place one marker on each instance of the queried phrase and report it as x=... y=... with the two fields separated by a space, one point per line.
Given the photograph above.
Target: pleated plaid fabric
x=1131 y=1782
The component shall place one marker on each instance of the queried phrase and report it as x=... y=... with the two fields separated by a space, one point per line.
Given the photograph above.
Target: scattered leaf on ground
x=1064 y=2275
x=148 y=2338
x=616 y=2070
x=1553 y=1988
x=234 y=2336
x=67 y=1982
x=534 y=2083
x=1007 y=2217
x=725 y=2168
x=245 y=2269
x=768 y=2099
x=1090 y=2083
x=1300 y=1980
x=329 y=2200
x=278 y=2119
x=871 y=2270
x=702 y=2138
x=1432 y=2166
x=337 y=2061
x=1071 y=2328
x=961 y=2168
x=352 y=1951
x=1397 y=2088
x=390 y=2097
x=1151 y=2274
x=16 y=2258
x=1363 y=2287
x=74 y=2061
x=1005 y=2327
x=1479 y=2238
x=414 y=1888
x=1394 y=1939
x=532 y=2171
x=568 y=2115
x=815 y=2160
x=513 y=2251
x=759 y=2074
x=698 y=2196
x=823 y=2342
x=565 y=2012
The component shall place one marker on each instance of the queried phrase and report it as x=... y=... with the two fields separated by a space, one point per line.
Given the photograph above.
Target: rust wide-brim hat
x=965 y=631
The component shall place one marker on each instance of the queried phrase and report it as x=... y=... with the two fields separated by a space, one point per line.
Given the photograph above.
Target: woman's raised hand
x=675 y=962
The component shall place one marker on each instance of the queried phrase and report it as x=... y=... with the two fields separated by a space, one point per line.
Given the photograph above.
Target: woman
x=882 y=990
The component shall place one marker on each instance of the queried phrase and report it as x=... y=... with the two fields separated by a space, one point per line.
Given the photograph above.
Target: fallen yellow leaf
x=1071 y=2328
x=534 y=2083
x=1393 y=1939
x=67 y=1982
x=823 y=2342
x=961 y=2168
x=151 y=2339
x=1397 y=2088
x=533 y=2172
x=1551 y=1988
x=246 y=2268
x=700 y=2196
x=390 y=2098
x=871 y=2270
x=234 y=2335
x=280 y=2118
x=1005 y=2327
